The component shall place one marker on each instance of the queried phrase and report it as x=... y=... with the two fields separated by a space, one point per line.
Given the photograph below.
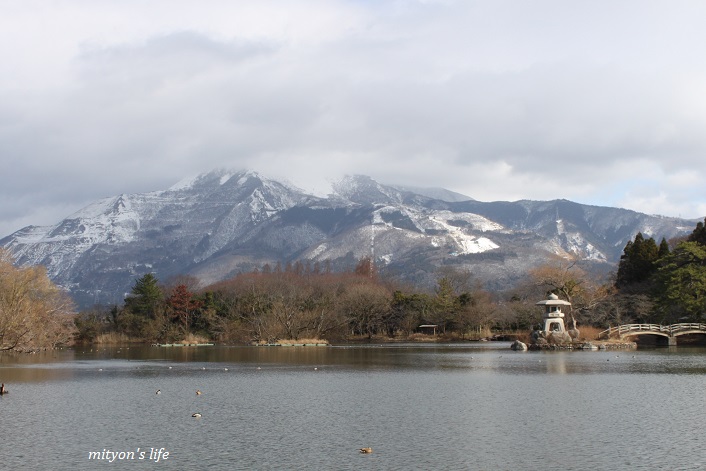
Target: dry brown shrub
x=112 y=338
x=588 y=332
x=417 y=337
x=523 y=337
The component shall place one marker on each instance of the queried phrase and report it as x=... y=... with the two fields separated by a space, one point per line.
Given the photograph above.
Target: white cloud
x=602 y=103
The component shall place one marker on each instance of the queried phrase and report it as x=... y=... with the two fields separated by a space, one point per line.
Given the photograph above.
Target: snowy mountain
x=221 y=223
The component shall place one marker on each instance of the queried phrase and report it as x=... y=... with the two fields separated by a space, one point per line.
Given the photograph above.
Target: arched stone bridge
x=667 y=332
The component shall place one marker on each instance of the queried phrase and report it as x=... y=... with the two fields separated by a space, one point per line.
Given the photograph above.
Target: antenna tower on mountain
x=372 y=245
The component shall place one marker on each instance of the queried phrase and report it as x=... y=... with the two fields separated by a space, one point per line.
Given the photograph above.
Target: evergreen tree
x=637 y=264
x=663 y=249
x=145 y=296
x=445 y=303
x=699 y=234
x=682 y=279
x=624 y=276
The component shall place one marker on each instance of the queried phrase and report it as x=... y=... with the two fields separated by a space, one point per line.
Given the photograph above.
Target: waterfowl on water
x=198 y=392
x=366 y=450
x=159 y=391
x=196 y=414
x=3 y=390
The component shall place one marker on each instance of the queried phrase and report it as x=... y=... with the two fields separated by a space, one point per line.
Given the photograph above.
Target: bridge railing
x=692 y=326
x=670 y=330
x=627 y=328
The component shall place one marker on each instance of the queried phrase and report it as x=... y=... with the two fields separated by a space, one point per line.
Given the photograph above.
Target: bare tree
x=568 y=280
x=34 y=313
x=365 y=305
x=477 y=312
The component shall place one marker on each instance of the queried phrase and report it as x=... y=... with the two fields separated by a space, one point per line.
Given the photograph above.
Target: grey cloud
x=163 y=59
x=474 y=95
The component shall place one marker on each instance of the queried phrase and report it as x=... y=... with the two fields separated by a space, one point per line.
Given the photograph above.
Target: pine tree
x=663 y=249
x=637 y=264
x=145 y=296
x=699 y=234
x=682 y=282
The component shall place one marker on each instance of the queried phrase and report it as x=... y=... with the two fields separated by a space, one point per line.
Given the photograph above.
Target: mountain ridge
x=223 y=222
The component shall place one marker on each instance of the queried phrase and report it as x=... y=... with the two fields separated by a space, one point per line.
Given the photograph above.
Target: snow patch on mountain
x=447 y=228
x=560 y=227
x=112 y=220
x=474 y=221
x=386 y=259
x=471 y=244
x=225 y=178
x=185 y=183
x=578 y=245
x=466 y=243
x=260 y=207
x=362 y=189
x=574 y=243
x=318 y=250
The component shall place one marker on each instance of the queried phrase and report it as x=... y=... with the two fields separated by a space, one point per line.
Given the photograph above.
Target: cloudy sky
x=599 y=102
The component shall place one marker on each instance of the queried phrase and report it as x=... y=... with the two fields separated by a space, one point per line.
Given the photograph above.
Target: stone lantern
x=554 y=329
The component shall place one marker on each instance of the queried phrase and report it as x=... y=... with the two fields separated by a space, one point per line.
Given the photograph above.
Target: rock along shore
x=584 y=346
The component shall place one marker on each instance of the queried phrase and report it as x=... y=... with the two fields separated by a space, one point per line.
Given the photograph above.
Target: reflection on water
x=459 y=406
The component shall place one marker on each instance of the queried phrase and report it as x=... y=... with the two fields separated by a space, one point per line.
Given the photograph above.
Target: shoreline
x=584 y=346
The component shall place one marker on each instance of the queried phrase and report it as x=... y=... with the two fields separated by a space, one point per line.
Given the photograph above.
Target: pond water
x=460 y=406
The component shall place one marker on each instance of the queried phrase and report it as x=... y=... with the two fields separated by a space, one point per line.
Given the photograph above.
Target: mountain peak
x=363 y=189
x=223 y=177
x=213 y=178
x=224 y=222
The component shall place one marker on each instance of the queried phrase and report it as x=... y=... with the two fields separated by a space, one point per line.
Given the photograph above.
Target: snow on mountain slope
x=110 y=221
x=203 y=213
x=442 y=228
x=225 y=222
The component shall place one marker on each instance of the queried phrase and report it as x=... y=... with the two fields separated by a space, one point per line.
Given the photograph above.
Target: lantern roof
x=553 y=301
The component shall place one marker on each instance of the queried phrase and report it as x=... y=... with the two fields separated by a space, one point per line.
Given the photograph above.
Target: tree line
x=654 y=283
x=274 y=304
x=663 y=284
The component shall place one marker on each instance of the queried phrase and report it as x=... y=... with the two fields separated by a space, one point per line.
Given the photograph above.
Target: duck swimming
x=366 y=450
x=196 y=414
